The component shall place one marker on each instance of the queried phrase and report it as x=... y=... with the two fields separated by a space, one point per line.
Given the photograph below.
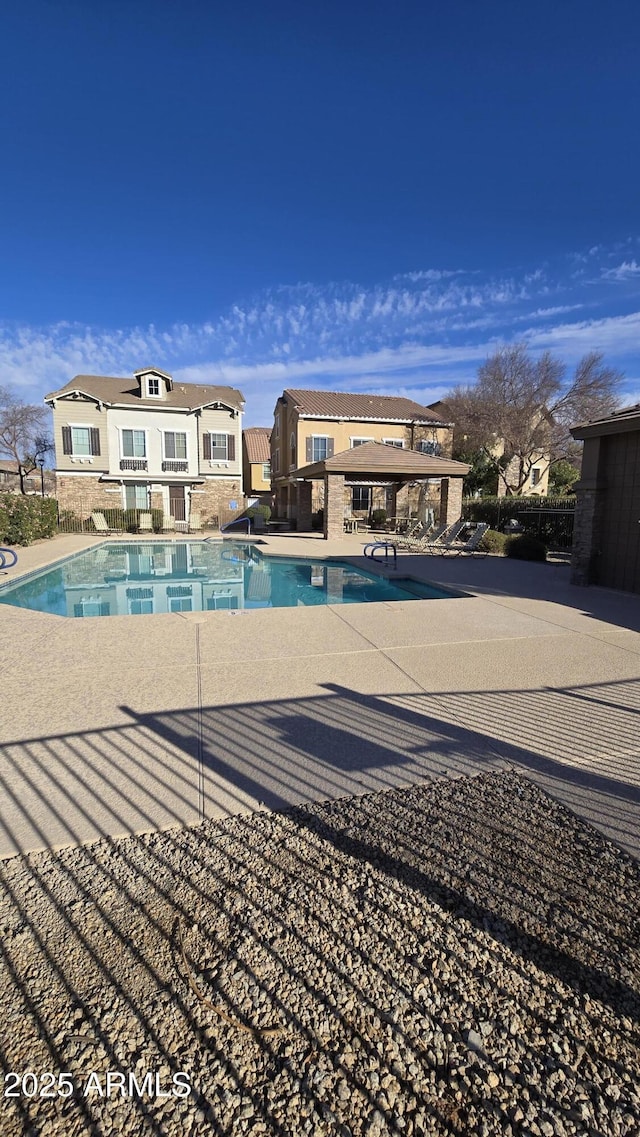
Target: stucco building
x=256 y=464
x=311 y=427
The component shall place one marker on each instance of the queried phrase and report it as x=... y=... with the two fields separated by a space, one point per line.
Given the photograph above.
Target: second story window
x=153 y=387
x=292 y=443
x=535 y=476
x=319 y=448
x=80 y=441
x=134 y=444
x=266 y=471
x=175 y=444
x=219 y=447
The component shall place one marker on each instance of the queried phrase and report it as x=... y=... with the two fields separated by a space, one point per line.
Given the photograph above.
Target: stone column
x=450 y=500
x=333 y=506
x=304 y=506
x=587 y=518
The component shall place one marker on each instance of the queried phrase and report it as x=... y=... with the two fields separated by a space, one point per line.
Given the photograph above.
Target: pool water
x=136 y=579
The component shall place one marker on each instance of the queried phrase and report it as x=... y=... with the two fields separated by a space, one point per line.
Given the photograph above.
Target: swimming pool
x=141 y=578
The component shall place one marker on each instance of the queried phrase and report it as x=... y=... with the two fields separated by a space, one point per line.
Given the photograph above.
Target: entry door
x=176 y=503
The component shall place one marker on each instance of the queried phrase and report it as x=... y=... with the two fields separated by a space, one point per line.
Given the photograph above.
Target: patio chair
x=145 y=523
x=100 y=522
x=168 y=523
x=195 y=523
x=442 y=539
x=470 y=547
x=415 y=534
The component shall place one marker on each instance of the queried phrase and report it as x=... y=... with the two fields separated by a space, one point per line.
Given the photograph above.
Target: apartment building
x=147 y=442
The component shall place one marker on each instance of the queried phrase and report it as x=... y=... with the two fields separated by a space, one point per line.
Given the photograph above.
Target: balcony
x=174 y=466
x=133 y=464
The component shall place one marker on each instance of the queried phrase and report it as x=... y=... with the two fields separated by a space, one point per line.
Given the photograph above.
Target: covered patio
x=374 y=464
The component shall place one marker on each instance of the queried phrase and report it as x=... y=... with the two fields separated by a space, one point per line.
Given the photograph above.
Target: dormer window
x=153 y=386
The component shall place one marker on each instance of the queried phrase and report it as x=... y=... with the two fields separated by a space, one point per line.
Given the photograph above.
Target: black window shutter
x=66 y=440
x=95 y=440
x=309 y=450
x=231 y=447
x=206 y=445
x=330 y=448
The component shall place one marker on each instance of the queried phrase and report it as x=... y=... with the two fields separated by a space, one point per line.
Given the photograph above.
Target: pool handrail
x=237 y=521
x=4 y=553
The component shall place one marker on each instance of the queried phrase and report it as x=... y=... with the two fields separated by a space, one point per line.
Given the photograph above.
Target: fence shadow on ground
x=262 y=908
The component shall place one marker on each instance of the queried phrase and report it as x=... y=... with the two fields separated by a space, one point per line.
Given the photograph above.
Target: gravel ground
x=457 y=958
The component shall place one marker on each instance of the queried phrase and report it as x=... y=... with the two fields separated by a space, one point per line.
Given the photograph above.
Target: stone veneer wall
x=334 y=506
x=82 y=495
x=451 y=500
x=213 y=499
x=586 y=535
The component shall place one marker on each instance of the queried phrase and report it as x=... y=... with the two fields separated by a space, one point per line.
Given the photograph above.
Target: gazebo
x=376 y=464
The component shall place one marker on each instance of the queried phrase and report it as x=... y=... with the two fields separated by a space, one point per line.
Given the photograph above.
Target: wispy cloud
x=624 y=271
x=422 y=332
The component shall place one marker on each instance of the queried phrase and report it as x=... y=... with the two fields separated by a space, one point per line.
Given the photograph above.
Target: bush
x=525 y=548
x=378 y=518
x=114 y=518
x=493 y=542
x=263 y=511
x=131 y=519
x=26 y=519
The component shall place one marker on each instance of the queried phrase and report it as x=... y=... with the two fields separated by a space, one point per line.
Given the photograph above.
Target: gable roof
x=341 y=404
x=378 y=458
x=257 y=443
x=126 y=392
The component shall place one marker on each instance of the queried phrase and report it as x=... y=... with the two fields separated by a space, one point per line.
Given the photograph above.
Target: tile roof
x=339 y=404
x=257 y=442
x=378 y=458
x=184 y=396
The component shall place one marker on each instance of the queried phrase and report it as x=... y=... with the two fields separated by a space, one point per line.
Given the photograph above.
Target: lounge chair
x=442 y=539
x=100 y=523
x=168 y=523
x=195 y=523
x=145 y=523
x=470 y=547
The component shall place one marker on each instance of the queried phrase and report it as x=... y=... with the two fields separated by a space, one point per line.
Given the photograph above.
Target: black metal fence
x=550 y=519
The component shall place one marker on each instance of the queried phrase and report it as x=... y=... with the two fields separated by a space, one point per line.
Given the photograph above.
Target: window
x=319 y=448
x=175 y=444
x=292 y=442
x=276 y=460
x=428 y=446
x=134 y=444
x=278 y=425
x=535 y=476
x=219 y=449
x=360 y=441
x=266 y=471
x=153 y=387
x=361 y=498
x=136 y=497
x=80 y=441
x=397 y=442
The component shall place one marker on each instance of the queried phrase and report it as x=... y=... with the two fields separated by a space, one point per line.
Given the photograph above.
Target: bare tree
x=23 y=436
x=520 y=410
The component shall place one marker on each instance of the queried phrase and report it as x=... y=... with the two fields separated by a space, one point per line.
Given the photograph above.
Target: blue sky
x=347 y=195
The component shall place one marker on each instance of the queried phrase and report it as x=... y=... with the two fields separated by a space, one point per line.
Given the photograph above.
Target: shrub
x=525 y=548
x=69 y=522
x=378 y=518
x=26 y=519
x=263 y=511
x=114 y=518
x=493 y=542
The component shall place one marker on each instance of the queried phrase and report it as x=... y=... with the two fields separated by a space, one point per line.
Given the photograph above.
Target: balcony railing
x=173 y=466
x=133 y=463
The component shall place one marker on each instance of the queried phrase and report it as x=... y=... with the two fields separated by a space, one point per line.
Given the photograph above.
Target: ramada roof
x=115 y=391
x=376 y=458
x=342 y=405
x=257 y=442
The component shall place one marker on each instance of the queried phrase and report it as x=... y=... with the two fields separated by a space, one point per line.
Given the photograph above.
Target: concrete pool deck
x=129 y=724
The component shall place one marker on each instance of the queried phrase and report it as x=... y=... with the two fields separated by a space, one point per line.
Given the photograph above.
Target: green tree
x=562 y=477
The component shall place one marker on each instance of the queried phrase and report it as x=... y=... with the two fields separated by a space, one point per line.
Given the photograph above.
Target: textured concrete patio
x=123 y=725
